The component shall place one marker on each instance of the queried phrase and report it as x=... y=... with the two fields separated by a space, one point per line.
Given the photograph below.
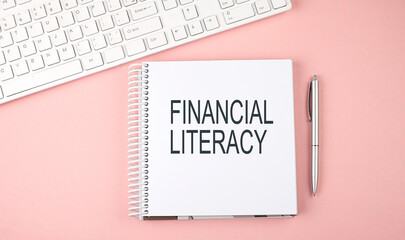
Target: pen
x=313 y=114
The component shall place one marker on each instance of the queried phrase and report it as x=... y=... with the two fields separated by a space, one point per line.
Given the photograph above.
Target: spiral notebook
x=212 y=139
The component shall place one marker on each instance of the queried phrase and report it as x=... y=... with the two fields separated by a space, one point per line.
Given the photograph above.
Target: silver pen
x=313 y=114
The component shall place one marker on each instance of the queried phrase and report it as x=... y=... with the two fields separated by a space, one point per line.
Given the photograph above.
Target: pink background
x=63 y=160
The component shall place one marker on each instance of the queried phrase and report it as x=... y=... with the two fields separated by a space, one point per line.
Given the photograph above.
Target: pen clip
x=309 y=102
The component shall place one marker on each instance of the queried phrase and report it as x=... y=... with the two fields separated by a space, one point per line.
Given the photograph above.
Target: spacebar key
x=59 y=72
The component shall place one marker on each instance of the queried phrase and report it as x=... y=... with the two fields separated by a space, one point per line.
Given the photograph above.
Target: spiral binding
x=138 y=139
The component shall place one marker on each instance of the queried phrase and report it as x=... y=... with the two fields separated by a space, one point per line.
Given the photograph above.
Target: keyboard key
x=12 y=53
x=7 y=22
x=68 y=4
x=38 y=12
x=239 y=13
x=75 y=33
x=35 y=29
x=179 y=33
x=5 y=39
x=53 y=7
x=83 y=47
x=129 y=2
x=135 y=47
x=195 y=28
x=106 y=23
x=190 y=12
x=114 y=37
x=143 y=10
x=82 y=14
x=19 y=2
x=51 y=57
x=99 y=42
x=113 y=5
x=183 y=2
x=43 y=43
x=169 y=4
x=156 y=40
x=28 y=48
x=58 y=38
x=121 y=18
x=23 y=17
x=114 y=54
x=36 y=62
x=211 y=23
x=92 y=61
x=97 y=9
x=6 y=73
x=66 y=19
x=20 y=34
x=20 y=68
x=278 y=3
x=42 y=77
x=262 y=6
x=7 y=4
x=226 y=3
x=66 y=52
x=51 y=24
x=85 y=1
x=142 y=28
x=2 y=58
x=90 y=28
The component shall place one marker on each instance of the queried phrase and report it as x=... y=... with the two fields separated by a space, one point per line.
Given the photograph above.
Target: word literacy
x=206 y=141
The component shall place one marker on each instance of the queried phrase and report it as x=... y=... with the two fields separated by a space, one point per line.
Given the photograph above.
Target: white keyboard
x=50 y=42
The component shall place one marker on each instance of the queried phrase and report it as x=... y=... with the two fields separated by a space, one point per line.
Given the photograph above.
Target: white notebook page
x=197 y=184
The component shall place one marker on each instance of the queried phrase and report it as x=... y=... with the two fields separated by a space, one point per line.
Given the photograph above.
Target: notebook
x=211 y=139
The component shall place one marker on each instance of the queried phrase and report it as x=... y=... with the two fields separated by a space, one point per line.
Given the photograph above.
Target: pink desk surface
x=63 y=152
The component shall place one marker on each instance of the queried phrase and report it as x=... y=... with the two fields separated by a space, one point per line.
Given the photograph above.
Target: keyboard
x=47 y=43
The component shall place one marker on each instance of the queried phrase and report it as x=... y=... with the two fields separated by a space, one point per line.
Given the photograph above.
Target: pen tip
x=314 y=194
x=315 y=77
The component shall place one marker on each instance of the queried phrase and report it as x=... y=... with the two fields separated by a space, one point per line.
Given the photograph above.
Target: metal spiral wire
x=138 y=139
